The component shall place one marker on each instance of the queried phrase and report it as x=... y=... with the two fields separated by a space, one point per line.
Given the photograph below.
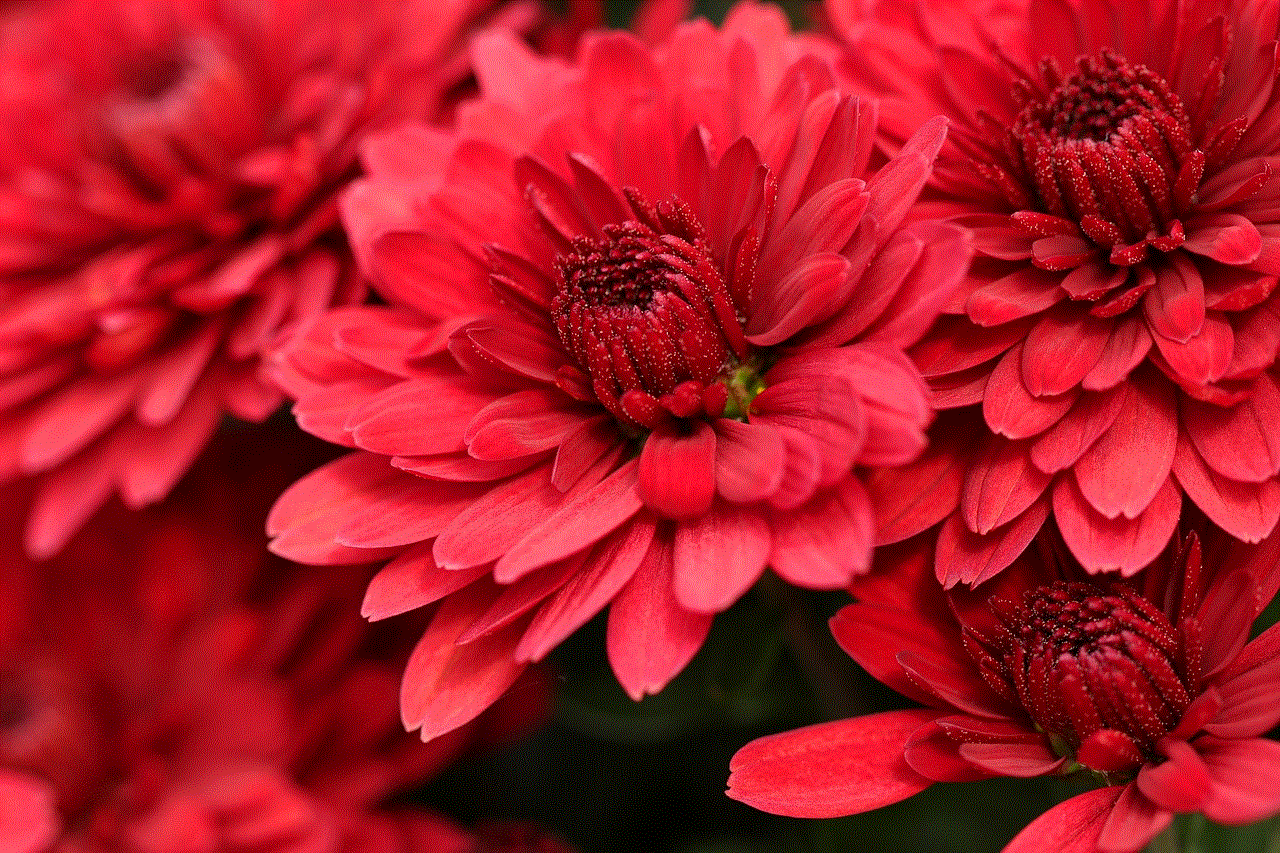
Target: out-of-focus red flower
x=1117 y=164
x=646 y=323
x=168 y=686
x=1147 y=683
x=168 y=173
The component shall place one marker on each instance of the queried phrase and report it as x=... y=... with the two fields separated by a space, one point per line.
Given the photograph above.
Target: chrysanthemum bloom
x=168 y=171
x=1118 y=329
x=150 y=703
x=1146 y=683
x=646 y=321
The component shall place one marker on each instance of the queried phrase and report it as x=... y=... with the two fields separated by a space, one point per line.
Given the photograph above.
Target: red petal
x=650 y=637
x=1180 y=784
x=912 y=498
x=1061 y=350
x=1246 y=779
x=1115 y=480
x=521 y=424
x=968 y=558
x=1205 y=357
x=1120 y=544
x=750 y=460
x=935 y=754
x=1247 y=511
x=1228 y=238
x=715 y=558
x=1001 y=484
x=414 y=510
x=307 y=517
x=1175 y=306
x=1240 y=443
x=610 y=565
x=1022 y=760
x=1070 y=827
x=410 y=581
x=830 y=769
x=581 y=520
x=1091 y=416
x=1133 y=822
x=825 y=542
x=1126 y=348
x=491 y=524
x=1010 y=410
x=1020 y=294
x=445 y=685
x=677 y=472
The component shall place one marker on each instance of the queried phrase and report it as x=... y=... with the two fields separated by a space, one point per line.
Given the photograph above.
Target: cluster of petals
x=644 y=324
x=167 y=686
x=1113 y=349
x=1148 y=683
x=168 y=181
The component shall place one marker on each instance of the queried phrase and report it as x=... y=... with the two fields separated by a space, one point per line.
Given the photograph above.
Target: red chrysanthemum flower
x=1146 y=683
x=168 y=180
x=1115 y=162
x=167 y=686
x=646 y=321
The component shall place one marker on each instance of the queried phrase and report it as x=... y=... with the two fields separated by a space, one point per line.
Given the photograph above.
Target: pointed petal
x=446 y=685
x=581 y=520
x=716 y=557
x=1115 y=480
x=830 y=769
x=825 y=542
x=650 y=637
x=750 y=460
x=969 y=558
x=1133 y=822
x=1061 y=350
x=410 y=581
x=611 y=564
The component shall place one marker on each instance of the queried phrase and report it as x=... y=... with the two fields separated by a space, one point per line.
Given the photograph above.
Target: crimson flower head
x=1116 y=162
x=168 y=180
x=645 y=325
x=1146 y=683
x=167 y=686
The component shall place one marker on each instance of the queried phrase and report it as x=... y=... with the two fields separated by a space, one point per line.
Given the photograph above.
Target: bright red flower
x=646 y=325
x=1118 y=329
x=1147 y=683
x=168 y=686
x=168 y=180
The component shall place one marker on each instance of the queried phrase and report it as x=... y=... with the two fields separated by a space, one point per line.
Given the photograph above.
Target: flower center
x=1095 y=668
x=1109 y=151
x=648 y=317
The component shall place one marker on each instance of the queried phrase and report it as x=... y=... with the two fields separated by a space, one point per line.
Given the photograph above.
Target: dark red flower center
x=1106 y=154
x=1097 y=669
x=648 y=317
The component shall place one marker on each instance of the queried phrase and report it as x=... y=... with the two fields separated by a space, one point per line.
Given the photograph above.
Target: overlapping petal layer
x=169 y=686
x=1146 y=682
x=1116 y=162
x=645 y=321
x=168 y=181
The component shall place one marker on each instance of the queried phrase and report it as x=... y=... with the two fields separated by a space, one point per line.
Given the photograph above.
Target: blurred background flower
x=168 y=180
